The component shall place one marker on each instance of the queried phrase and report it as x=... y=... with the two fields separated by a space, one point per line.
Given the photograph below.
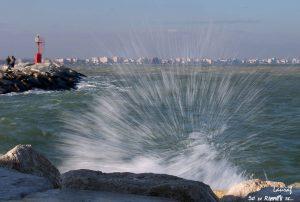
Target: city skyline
x=194 y=61
x=215 y=29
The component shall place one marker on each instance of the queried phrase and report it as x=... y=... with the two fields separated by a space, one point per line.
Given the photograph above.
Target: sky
x=165 y=28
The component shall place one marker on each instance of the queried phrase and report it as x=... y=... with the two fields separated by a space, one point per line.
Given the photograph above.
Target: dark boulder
x=142 y=184
x=87 y=195
x=41 y=76
x=15 y=185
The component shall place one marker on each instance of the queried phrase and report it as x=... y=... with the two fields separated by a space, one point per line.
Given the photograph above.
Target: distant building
x=103 y=60
x=271 y=61
x=295 y=61
x=131 y=60
x=207 y=61
x=156 y=61
x=94 y=60
x=60 y=60
x=115 y=59
x=176 y=61
x=252 y=61
x=71 y=60
x=283 y=61
x=139 y=61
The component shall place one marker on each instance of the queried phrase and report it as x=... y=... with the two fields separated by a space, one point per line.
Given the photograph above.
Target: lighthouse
x=40 y=43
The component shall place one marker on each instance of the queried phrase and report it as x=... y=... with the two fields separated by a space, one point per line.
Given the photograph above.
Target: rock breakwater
x=48 y=76
x=26 y=174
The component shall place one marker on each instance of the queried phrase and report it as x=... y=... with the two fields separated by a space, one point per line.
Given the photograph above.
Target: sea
x=219 y=125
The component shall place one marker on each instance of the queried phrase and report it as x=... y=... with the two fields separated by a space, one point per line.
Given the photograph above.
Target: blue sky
x=231 y=28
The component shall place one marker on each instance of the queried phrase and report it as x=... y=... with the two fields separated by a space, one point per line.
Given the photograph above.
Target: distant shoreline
x=123 y=69
x=183 y=65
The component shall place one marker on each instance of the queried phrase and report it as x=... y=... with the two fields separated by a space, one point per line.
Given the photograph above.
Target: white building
x=103 y=60
x=60 y=60
x=207 y=61
x=94 y=60
x=115 y=59
x=139 y=61
x=295 y=61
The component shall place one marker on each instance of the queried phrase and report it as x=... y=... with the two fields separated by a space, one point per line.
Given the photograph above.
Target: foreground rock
x=48 y=76
x=244 y=188
x=86 y=195
x=16 y=185
x=142 y=184
x=25 y=159
x=260 y=190
x=275 y=194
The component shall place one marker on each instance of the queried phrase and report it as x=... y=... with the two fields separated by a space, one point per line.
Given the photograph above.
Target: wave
x=163 y=123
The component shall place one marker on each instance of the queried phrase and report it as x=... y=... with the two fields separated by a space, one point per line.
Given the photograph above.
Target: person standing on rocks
x=13 y=61
x=8 y=62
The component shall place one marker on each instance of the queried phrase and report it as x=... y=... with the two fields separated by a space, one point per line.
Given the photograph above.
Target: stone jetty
x=27 y=175
x=46 y=76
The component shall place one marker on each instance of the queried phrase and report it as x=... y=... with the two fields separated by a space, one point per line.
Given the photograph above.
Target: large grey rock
x=86 y=195
x=142 y=184
x=25 y=159
x=15 y=185
x=47 y=76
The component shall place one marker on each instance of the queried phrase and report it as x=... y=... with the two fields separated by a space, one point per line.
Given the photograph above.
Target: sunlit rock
x=288 y=193
x=244 y=188
x=25 y=159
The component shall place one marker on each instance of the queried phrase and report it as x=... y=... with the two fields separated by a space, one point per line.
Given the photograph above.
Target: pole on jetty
x=40 y=43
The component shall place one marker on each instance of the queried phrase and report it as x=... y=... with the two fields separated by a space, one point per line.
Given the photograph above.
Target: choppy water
x=218 y=126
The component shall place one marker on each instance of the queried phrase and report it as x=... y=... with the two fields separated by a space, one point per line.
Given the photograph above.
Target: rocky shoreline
x=46 y=76
x=27 y=175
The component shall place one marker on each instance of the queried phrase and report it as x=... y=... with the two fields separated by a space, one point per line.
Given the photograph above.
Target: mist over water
x=167 y=120
x=164 y=120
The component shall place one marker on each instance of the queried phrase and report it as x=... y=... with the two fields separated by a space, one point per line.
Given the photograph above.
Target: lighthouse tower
x=40 y=43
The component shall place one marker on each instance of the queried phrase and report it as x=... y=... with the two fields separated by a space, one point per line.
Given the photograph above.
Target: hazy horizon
x=164 y=28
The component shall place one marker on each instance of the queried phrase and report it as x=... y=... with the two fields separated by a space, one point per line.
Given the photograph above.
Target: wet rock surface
x=16 y=185
x=48 y=76
x=85 y=195
x=25 y=159
x=147 y=184
x=28 y=176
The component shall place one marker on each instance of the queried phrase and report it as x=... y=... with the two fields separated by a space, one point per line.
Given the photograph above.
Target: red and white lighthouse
x=40 y=44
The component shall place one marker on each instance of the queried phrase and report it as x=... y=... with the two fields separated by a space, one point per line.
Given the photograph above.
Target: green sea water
x=265 y=144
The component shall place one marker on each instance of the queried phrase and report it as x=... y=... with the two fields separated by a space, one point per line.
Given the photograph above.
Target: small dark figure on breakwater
x=8 y=60
x=11 y=61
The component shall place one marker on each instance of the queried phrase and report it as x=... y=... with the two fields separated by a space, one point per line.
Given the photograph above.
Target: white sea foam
x=153 y=120
x=162 y=124
x=85 y=85
x=29 y=92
